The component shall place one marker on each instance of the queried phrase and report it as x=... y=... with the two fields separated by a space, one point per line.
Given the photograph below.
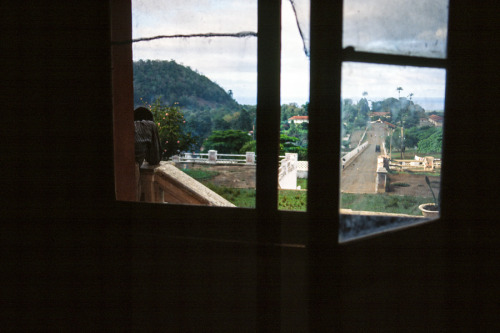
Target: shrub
x=171 y=127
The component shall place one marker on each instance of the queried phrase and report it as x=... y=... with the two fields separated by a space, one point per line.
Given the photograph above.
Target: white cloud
x=381 y=81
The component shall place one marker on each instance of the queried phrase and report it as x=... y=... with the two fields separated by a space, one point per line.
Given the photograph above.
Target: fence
x=350 y=156
x=212 y=157
x=418 y=164
x=287 y=173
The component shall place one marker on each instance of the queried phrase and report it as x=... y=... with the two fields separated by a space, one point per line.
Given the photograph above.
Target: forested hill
x=176 y=83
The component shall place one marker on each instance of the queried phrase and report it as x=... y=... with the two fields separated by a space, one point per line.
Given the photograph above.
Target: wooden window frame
x=316 y=230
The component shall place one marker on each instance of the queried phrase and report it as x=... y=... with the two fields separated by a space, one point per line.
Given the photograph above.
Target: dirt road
x=359 y=176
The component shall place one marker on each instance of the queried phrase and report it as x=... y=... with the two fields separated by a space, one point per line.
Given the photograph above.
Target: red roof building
x=389 y=124
x=379 y=114
x=299 y=119
x=436 y=120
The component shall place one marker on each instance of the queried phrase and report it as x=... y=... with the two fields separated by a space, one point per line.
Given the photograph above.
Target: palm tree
x=399 y=91
x=410 y=96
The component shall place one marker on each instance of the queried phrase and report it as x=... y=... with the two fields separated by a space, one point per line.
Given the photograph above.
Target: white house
x=298 y=119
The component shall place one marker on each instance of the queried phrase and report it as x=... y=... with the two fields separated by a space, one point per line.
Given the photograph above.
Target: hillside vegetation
x=206 y=106
x=176 y=83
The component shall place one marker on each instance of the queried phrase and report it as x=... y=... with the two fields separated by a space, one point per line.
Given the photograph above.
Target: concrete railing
x=381 y=183
x=351 y=156
x=287 y=173
x=418 y=164
x=165 y=183
x=212 y=157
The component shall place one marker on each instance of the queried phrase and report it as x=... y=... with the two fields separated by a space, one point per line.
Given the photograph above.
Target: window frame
x=327 y=55
x=266 y=227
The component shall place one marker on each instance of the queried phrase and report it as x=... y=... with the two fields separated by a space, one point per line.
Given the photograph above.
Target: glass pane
x=405 y=27
x=195 y=67
x=392 y=118
x=293 y=167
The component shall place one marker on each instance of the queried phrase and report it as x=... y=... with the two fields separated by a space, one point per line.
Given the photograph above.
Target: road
x=359 y=176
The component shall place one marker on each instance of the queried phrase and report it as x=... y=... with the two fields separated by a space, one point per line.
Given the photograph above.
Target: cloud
x=401 y=26
x=381 y=81
x=397 y=26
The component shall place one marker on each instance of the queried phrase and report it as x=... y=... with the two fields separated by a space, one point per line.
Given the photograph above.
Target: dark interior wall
x=73 y=259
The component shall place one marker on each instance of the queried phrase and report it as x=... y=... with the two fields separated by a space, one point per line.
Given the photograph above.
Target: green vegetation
x=383 y=203
x=294 y=137
x=421 y=173
x=174 y=136
x=227 y=142
x=420 y=140
x=245 y=197
x=199 y=174
x=241 y=197
x=292 y=109
x=302 y=182
x=409 y=154
x=292 y=200
x=250 y=146
x=205 y=105
x=290 y=144
x=400 y=184
x=176 y=83
x=433 y=143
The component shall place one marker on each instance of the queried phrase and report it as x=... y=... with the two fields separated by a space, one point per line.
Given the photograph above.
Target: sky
x=232 y=62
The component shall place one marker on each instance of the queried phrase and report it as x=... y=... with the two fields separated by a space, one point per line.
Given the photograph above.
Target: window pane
x=293 y=167
x=202 y=88
x=403 y=27
x=392 y=119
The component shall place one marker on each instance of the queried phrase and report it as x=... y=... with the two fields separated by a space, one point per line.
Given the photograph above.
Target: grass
x=297 y=200
x=245 y=197
x=241 y=197
x=383 y=203
x=421 y=173
x=400 y=184
x=292 y=200
x=200 y=174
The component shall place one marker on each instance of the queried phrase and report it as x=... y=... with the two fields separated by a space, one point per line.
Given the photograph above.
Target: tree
x=432 y=144
x=399 y=89
x=249 y=146
x=174 y=137
x=289 y=144
x=243 y=122
x=227 y=142
x=364 y=109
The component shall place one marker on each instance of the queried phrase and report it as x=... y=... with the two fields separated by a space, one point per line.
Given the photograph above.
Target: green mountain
x=176 y=83
x=205 y=105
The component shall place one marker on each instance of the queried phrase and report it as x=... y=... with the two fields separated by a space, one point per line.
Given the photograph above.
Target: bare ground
x=418 y=187
x=233 y=176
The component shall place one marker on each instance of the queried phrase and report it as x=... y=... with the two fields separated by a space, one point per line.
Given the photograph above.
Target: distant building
x=436 y=120
x=298 y=119
x=379 y=114
x=389 y=124
x=425 y=122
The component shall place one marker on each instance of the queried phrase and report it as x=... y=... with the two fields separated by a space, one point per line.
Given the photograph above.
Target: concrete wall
x=351 y=156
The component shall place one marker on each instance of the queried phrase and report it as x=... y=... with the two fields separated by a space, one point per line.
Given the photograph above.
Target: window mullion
x=268 y=113
x=349 y=54
x=324 y=171
x=324 y=125
x=268 y=117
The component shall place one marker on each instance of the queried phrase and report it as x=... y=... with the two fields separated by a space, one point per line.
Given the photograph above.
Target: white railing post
x=212 y=156
x=250 y=157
